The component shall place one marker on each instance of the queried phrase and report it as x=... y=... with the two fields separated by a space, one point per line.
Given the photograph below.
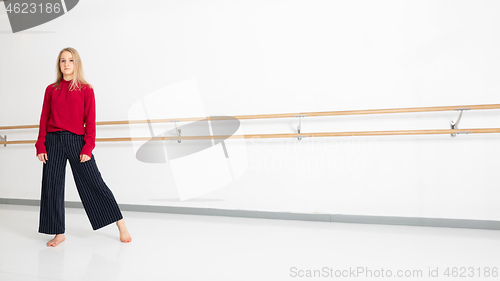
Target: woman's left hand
x=84 y=158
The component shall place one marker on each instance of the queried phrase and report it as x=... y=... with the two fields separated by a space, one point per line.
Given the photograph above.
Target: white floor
x=187 y=247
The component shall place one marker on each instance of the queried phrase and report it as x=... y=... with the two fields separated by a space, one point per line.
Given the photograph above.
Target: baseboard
x=388 y=220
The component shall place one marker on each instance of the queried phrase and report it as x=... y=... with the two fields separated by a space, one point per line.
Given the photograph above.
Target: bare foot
x=124 y=235
x=56 y=241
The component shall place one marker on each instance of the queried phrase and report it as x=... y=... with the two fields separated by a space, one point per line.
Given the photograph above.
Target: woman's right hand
x=43 y=157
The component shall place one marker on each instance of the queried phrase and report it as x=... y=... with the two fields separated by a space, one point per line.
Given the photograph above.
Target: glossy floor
x=188 y=247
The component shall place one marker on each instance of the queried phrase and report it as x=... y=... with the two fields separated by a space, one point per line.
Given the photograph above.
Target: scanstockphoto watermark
x=354 y=272
x=26 y=14
x=490 y=272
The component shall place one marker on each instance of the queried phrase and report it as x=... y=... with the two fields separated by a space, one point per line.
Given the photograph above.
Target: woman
x=67 y=132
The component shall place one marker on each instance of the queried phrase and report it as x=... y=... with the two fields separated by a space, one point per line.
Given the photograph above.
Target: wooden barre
x=288 y=115
x=325 y=134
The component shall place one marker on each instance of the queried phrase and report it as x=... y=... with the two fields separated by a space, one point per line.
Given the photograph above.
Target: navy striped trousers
x=98 y=201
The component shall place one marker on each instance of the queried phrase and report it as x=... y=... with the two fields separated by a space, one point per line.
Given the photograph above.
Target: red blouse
x=65 y=110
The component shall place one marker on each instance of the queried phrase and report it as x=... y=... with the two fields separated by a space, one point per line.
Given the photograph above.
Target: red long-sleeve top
x=65 y=110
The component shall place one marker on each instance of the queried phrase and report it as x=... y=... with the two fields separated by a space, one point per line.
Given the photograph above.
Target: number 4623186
x=33 y=8
x=471 y=272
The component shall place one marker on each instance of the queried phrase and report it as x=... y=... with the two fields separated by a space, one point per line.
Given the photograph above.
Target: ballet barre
x=290 y=135
x=288 y=115
x=453 y=131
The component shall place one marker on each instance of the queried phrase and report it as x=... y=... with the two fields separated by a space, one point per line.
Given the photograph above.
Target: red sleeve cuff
x=87 y=151
x=40 y=148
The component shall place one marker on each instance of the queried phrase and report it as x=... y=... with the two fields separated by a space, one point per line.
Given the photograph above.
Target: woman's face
x=66 y=63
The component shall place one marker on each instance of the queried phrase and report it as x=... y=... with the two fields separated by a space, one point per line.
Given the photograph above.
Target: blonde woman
x=67 y=132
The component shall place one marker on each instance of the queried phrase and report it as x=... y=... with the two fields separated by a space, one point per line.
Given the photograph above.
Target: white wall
x=253 y=57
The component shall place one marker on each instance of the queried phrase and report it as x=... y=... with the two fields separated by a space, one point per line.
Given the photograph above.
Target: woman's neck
x=68 y=77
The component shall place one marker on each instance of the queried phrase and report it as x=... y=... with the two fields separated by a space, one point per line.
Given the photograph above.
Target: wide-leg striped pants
x=98 y=201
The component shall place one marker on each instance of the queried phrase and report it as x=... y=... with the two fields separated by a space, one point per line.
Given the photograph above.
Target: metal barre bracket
x=454 y=125
x=178 y=130
x=299 y=126
x=4 y=138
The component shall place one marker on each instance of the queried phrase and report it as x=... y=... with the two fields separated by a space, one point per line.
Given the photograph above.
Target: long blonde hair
x=78 y=75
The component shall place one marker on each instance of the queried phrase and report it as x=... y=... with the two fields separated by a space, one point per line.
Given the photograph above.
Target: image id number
x=471 y=272
x=33 y=8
